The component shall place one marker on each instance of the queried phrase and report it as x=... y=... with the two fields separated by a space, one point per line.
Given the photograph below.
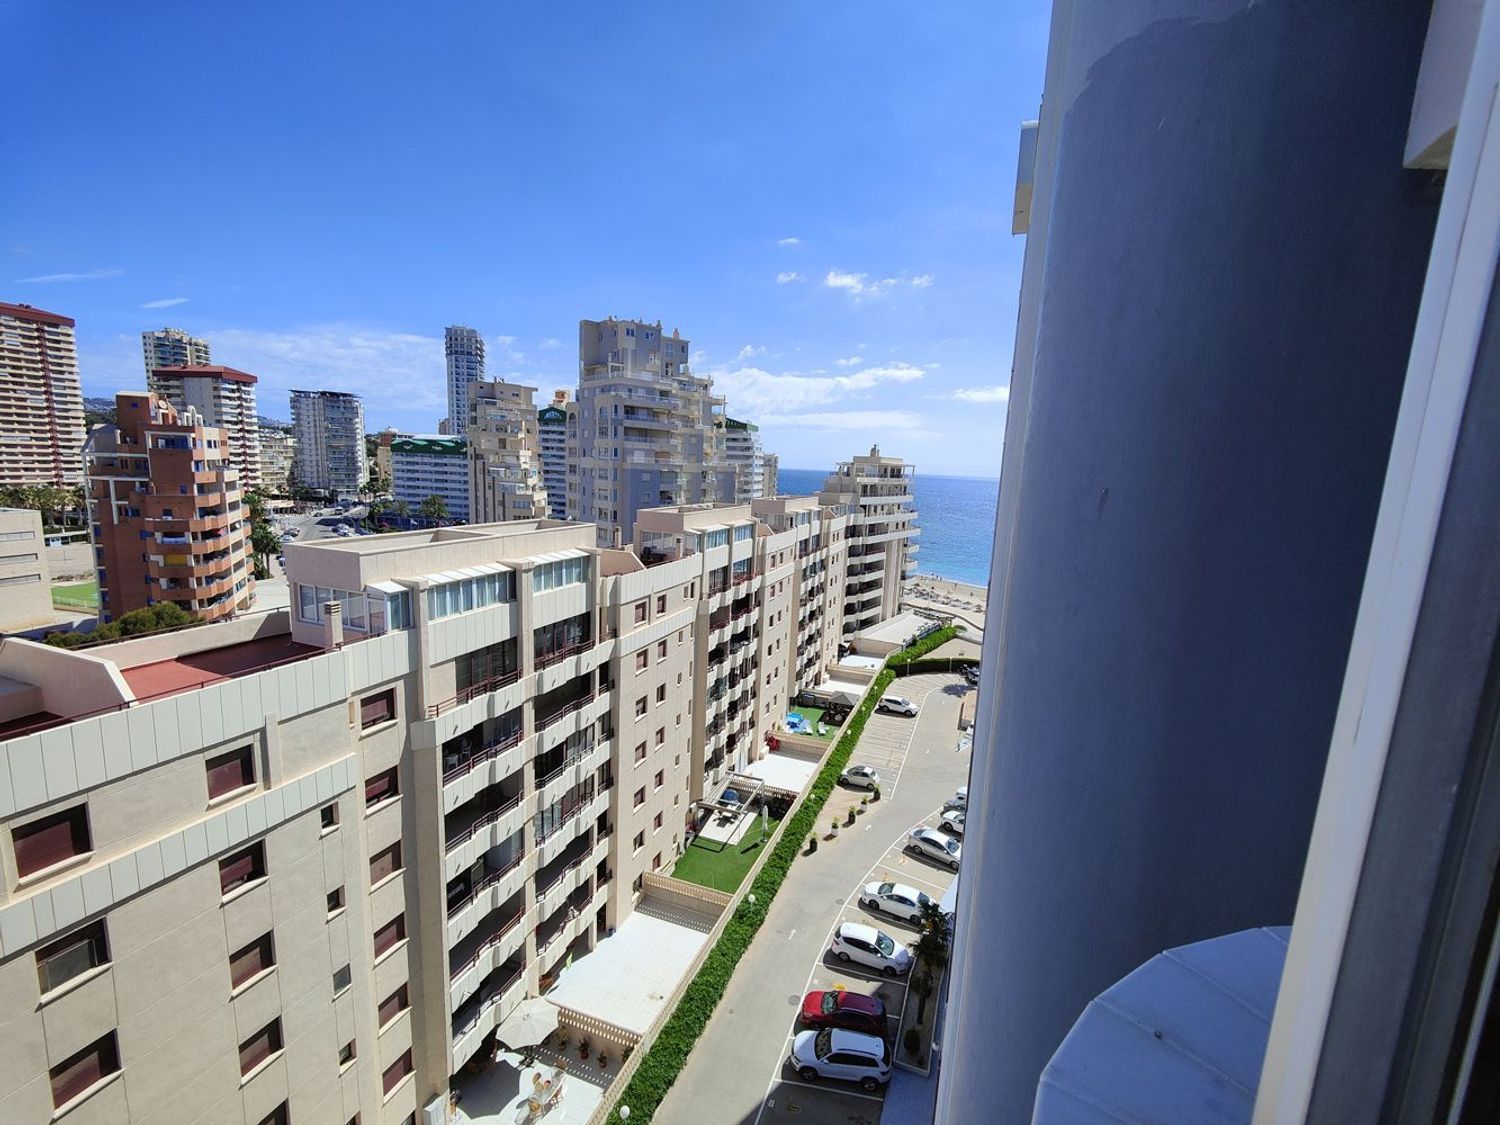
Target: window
x=640 y=612
x=390 y=934
x=637 y=883
x=661 y=694
x=260 y=1046
x=661 y=650
x=250 y=962
x=242 y=868
x=393 y=1005
x=277 y=1116
x=661 y=735
x=335 y=900
x=72 y=955
x=346 y=1053
x=341 y=979
x=640 y=707
x=640 y=752
x=661 y=603
x=659 y=779
x=377 y=709
x=381 y=787
x=564 y=572
x=231 y=771
x=330 y=817
x=656 y=823
x=396 y=1072
x=385 y=864
x=640 y=660
x=61 y=836
x=640 y=797
x=78 y=1072
x=639 y=842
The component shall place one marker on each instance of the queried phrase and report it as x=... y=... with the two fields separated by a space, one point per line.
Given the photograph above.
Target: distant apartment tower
x=383 y=450
x=329 y=430
x=770 y=479
x=647 y=433
x=744 y=451
x=277 y=452
x=172 y=347
x=552 y=438
x=505 y=462
x=464 y=348
x=222 y=397
x=165 y=504
x=427 y=465
x=881 y=552
x=25 y=580
x=41 y=399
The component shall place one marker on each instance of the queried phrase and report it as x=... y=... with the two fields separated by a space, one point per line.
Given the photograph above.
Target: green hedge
x=921 y=648
x=668 y=1055
x=936 y=664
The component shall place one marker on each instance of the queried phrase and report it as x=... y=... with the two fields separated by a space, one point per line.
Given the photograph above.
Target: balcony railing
x=483 y=822
x=566 y=710
x=478 y=759
x=488 y=881
x=486 y=1004
x=474 y=691
x=494 y=940
x=547 y=659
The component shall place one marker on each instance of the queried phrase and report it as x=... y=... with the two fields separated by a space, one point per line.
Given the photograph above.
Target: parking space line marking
x=926 y=882
x=831 y=1090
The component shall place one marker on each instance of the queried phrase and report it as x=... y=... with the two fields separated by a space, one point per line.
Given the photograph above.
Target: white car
x=897 y=705
x=934 y=845
x=836 y=1053
x=953 y=822
x=862 y=777
x=896 y=899
x=865 y=945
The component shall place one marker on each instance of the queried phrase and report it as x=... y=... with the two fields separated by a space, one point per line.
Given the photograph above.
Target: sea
x=956 y=515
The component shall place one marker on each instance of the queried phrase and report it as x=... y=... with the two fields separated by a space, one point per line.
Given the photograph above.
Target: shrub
x=911 y=1041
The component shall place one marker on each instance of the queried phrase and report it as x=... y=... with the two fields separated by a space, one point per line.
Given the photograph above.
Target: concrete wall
x=1222 y=299
x=25 y=580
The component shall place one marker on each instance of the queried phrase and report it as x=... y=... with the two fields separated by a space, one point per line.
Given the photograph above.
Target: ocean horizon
x=956 y=515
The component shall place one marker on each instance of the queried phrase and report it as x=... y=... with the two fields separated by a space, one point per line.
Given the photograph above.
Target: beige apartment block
x=25 y=581
x=505 y=457
x=308 y=862
x=882 y=551
x=41 y=399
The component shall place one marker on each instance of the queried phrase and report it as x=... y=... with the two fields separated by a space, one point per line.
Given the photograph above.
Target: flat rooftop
x=198 y=669
x=897 y=630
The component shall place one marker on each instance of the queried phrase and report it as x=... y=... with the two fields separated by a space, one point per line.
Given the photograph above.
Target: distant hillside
x=98 y=412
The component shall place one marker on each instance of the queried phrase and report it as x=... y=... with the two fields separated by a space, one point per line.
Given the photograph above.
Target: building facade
x=41 y=399
x=743 y=449
x=172 y=347
x=505 y=460
x=166 y=513
x=882 y=552
x=770 y=484
x=222 y=397
x=645 y=430
x=25 y=580
x=278 y=450
x=552 y=441
x=328 y=428
x=385 y=817
x=464 y=351
x=423 y=466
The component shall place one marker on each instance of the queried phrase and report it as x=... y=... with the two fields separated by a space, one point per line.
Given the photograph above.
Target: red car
x=844 y=1009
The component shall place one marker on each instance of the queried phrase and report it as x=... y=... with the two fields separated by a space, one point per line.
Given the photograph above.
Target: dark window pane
x=397 y=1071
x=229 y=772
x=260 y=1046
x=51 y=839
x=379 y=708
x=77 y=1073
x=255 y=958
x=69 y=956
x=393 y=1005
x=381 y=786
x=389 y=934
x=385 y=863
x=242 y=867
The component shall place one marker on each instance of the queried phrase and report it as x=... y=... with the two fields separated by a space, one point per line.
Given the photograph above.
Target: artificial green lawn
x=79 y=595
x=712 y=863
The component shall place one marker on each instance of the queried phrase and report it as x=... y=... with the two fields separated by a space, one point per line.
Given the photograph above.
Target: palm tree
x=935 y=933
x=434 y=509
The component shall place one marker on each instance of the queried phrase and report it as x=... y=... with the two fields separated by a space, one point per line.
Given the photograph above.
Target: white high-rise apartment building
x=464 y=348
x=277 y=452
x=329 y=430
x=384 y=820
x=41 y=399
x=881 y=552
x=647 y=430
x=552 y=438
x=427 y=465
x=172 y=347
x=742 y=447
x=505 y=461
x=223 y=397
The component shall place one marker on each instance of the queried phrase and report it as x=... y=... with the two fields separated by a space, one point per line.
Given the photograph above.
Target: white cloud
x=549 y=343
x=858 y=285
x=923 y=281
x=788 y=276
x=88 y=275
x=880 y=421
x=791 y=240
x=750 y=351
x=983 y=394
x=165 y=303
x=752 y=390
x=848 y=361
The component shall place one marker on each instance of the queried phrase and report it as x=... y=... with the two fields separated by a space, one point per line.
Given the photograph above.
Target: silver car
x=897 y=705
x=862 y=777
x=935 y=845
x=895 y=899
x=872 y=948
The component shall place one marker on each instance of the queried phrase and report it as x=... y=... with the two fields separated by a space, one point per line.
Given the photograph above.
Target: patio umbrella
x=531 y=1022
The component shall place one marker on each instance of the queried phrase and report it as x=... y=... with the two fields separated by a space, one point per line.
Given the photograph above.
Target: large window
x=72 y=955
x=396 y=1072
x=53 y=839
x=312 y=599
x=386 y=863
x=260 y=1046
x=242 y=868
x=249 y=962
x=470 y=593
x=231 y=771
x=377 y=709
x=393 y=1005
x=390 y=934
x=563 y=572
x=719 y=538
x=744 y=531
x=79 y=1071
x=382 y=787
x=560 y=637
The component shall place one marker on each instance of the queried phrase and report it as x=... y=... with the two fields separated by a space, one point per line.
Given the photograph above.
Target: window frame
x=275 y=1044
x=256 y=874
x=93 y=935
x=265 y=947
x=393 y=851
x=386 y=796
x=76 y=817
x=396 y=926
x=244 y=757
x=366 y=723
x=106 y=1048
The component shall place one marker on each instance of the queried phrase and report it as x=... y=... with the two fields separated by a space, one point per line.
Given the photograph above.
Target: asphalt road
x=736 y=1074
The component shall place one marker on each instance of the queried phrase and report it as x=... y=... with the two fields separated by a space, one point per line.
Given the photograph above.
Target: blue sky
x=817 y=195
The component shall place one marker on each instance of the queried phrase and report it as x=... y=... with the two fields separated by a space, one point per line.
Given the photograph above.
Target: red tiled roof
x=168 y=677
x=208 y=370
x=26 y=312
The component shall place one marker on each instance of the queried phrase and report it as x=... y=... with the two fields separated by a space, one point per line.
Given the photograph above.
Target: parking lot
x=888 y=740
x=790 y=1099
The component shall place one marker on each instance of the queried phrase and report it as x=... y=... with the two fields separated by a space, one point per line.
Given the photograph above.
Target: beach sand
x=958 y=598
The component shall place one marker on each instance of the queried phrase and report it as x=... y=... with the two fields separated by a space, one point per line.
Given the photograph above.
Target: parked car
x=865 y=945
x=971 y=673
x=861 y=777
x=895 y=899
x=959 y=800
x=896 y=705
x=953 y=822
x=852 y=1011
x=835 y=1053
x=935 y=845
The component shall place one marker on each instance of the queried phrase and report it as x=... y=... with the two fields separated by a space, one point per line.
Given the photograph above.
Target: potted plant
x=912 y=1042
x=812 y=843
x=583 y=1048
x=603 y=1059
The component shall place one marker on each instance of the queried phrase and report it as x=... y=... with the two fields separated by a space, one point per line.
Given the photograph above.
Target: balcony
x=486 y=830
x=573 y=917
x=570 y=773
x=496 y=889
x=489 y=953
x=464 y=777
x=556 y=655
x=561 y=713
x=487 y=1012
x=564 y=831
x=563 y=883
x=474 y=691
